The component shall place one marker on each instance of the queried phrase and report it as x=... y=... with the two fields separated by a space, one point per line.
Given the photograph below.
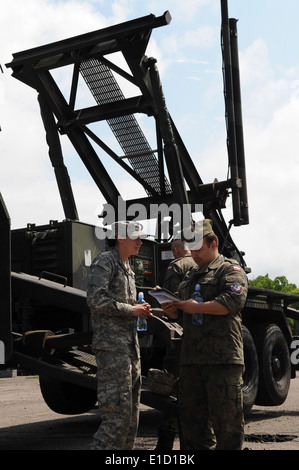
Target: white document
x=163 y=295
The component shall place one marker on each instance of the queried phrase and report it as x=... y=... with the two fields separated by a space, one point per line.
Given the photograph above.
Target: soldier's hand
x=170 y=310
x=142 y=310
x=188 y=306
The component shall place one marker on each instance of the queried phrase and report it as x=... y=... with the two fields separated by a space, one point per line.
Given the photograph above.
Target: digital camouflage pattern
x=176 y=271
x=111 y=293
x=118 y=396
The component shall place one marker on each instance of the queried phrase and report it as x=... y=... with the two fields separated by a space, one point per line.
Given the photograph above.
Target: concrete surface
x=28 y=424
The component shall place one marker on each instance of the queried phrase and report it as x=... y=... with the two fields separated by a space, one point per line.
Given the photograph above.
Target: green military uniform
x=210 y=396
x=111 y=293
x=226 y=282
x=176 y=272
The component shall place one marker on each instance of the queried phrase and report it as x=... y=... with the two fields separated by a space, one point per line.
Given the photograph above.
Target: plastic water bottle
x=141 y=322
x=197 y=318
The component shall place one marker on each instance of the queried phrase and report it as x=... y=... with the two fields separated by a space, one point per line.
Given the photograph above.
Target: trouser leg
x=195 y=427
x=136 y=390
x=211 y=408
x=118 y=397
x=226 y=404
x=167 y=431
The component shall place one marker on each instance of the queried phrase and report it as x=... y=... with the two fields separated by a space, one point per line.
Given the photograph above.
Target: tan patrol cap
x=130 y=229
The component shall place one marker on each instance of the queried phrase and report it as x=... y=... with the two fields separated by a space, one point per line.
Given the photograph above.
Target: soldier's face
x=204 y=255
x=133 y=245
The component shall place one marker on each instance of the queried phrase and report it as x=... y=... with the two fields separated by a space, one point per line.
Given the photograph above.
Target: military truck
x=44 y=321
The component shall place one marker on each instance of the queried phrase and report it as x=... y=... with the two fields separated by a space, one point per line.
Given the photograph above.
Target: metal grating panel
x=126 y=129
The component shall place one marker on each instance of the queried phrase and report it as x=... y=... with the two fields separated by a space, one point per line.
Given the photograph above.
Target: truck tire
x=274 y=364
x=67 y=398
x=250 y=372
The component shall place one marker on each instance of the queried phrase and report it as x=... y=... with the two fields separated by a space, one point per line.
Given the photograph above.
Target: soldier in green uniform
x=178 y=268
x=210 y=394
x=111 y=296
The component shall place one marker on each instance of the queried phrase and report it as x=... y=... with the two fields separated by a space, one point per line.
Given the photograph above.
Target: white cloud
x=122 y=9
x=191 y=41
x=255 y=63
x=37 y=22
x=265 y=89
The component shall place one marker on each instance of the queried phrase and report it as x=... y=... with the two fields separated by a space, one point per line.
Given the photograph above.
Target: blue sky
x=189 y=61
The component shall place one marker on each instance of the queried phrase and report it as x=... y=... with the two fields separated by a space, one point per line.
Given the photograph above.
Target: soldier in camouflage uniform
x=111 y=296
x=176 y=271
x=210 y=394
x=178 y=267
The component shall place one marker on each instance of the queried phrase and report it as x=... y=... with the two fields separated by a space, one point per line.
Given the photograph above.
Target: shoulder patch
x=102 y=264
x=236 y=288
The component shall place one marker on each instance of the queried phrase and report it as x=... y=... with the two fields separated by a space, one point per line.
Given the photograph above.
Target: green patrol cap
x=193 y=235
x=203 y=227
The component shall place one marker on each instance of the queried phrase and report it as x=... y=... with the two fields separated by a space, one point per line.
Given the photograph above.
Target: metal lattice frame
x=105 y=89
x=89 y=55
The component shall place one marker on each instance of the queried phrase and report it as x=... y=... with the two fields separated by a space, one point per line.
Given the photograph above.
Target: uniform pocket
x=209 y=288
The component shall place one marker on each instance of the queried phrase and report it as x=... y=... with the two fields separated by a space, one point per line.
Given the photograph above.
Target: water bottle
x=141 y=322
x=197 y=318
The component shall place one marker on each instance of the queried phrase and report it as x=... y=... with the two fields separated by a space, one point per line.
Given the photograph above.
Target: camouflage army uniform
x=176 y=272
x=111 y=293
x=210 y=396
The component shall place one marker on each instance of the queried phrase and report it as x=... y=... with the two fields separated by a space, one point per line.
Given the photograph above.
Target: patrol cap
x=127 y=228
x=194 y=234
x=203 y=227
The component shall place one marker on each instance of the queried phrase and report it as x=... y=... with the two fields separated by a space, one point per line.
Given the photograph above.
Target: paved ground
x=28 y=424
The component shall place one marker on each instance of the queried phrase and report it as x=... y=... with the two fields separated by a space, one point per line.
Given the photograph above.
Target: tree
x=281 y=284
x=263 y=282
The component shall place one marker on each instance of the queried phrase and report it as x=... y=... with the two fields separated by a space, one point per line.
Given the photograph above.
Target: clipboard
x=163 y=295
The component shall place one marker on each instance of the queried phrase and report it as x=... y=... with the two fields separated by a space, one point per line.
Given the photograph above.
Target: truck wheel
x=67 y=398
x=250 y=372
x=274 y=364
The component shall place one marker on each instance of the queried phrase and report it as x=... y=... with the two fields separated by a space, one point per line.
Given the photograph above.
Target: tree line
x=281 y=284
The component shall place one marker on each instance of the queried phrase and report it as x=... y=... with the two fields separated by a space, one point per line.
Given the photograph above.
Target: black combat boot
x=165 y=441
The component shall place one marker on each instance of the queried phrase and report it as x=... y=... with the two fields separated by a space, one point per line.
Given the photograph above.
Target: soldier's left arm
x=233 y=289
x=233 y=286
